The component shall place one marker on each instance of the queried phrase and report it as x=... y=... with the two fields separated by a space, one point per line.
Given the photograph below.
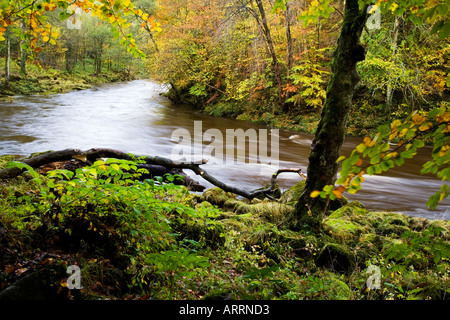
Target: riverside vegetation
x=149 y=239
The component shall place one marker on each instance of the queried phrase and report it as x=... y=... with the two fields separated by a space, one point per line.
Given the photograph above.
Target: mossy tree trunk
x=330 y=134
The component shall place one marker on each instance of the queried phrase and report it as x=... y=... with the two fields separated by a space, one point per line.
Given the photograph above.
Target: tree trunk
x=7 y=57
x=330 y=134
x=275 y=63
x=23 y=54
x=390 y=89
x=290 y=56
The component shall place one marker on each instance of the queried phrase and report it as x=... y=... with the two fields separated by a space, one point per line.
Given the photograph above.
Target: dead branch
x=157 y=166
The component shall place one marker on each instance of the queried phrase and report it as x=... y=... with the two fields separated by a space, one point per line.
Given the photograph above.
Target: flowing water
x=134 y=117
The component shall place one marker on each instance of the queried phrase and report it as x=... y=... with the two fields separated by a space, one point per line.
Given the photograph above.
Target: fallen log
x=157 y=166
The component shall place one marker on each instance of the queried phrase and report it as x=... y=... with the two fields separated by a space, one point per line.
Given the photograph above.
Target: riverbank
x=51 y=81
x=363 y=121
x=146 y=240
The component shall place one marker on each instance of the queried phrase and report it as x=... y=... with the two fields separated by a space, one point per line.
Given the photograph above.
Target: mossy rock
x=368 y=246
x=392 y=223
x=336 y=257
x=271 y=211
x=291 y=195
x=343 y=229
x=348 y=222
x=351 y=209
x=4 y=160
x=236 y=206
x=217 y=196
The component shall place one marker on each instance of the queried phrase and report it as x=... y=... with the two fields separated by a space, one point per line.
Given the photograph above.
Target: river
x=134 y=117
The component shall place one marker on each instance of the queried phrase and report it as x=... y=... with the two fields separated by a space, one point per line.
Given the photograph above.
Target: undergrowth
x=151 y=239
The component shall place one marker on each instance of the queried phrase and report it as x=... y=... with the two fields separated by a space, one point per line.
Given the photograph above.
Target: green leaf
x=361 y=147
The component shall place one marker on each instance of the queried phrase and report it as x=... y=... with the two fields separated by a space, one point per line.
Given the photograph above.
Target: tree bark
x=7 y=56
x=290 y=55
x=330 y=134
x=275 y=64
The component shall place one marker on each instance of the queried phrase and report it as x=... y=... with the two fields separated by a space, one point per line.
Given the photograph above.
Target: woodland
x=378 y=70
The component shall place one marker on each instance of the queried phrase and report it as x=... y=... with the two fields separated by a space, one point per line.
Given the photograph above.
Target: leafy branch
x=410 y=134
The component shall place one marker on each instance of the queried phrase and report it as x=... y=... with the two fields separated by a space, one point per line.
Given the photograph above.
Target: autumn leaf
x=314 y=194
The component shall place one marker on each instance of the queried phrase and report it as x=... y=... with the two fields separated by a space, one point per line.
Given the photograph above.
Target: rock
x=217 y=196
x=336 y=257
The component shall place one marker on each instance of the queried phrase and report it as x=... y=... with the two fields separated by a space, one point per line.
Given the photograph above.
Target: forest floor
x=140 y=240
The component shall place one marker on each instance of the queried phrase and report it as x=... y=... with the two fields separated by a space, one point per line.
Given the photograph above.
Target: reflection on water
x=134 y=117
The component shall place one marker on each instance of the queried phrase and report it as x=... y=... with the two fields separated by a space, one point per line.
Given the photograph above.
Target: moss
x=217 y=196
x=354 y=208
x=342 y=229
x=339 y=290
x=236 y=206
x=291 y=195
x=272 y=211
x=348 y=222
x=337 y=257
x=392 y=223
x=302 y=245
x=234 y=224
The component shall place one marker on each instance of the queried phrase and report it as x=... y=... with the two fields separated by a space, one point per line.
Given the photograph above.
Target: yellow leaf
x=394 y=6
x=425 y=126
x=368 y=142
x=444 y=118
x=340 y=158
x=418 y=119
x=395 y=124
x=314 y=194
x=63 y=283
x=315 y=3
x=443 y=151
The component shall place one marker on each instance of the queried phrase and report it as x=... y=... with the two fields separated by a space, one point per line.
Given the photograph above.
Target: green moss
x=342 y=229
x=354 y=208
x=272 y=211
x=291 y=195
x=337 y=257
x=392 y=223
x=217 y=196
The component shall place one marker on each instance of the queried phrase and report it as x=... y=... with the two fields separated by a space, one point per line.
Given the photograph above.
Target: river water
x=134 y=117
